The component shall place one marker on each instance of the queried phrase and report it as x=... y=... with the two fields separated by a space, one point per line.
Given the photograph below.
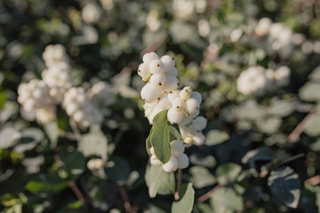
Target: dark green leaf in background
x=284 y=184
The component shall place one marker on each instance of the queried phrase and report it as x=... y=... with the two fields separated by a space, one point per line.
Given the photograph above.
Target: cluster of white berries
x=39 y=98
x=184 y=9
x=178 y=160
x=35 y=100
x=257 y=80
x=79 y=107
x=161 y=93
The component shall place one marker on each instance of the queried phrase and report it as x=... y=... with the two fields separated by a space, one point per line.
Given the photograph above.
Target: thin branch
x=176 y=194
x=265 y=173
x=77 y=192
x=124 y=195
x=294 y=135
x=155 y=45
x=208 y=194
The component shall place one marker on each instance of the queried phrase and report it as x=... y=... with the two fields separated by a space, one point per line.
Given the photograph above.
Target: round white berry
x=150 y=93
x=183 y=161
x=158 y=80
x=175 y=116
x=148 y=57
x=171 y=165
x=172 y=83
x=156 y=67
x=201 y=121
x=197 y=96
x=185 y=93
x=177 y=148
x=172 y=95
x=198 y=139
x=192 y=105
x=168 y=62
x=143 y=72
x=178 y=104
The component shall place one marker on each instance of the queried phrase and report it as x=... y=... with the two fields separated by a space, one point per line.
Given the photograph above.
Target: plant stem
x=125 y=198
x=176 y=194
x=207 y=195
x=77 y=192
x=294 y=135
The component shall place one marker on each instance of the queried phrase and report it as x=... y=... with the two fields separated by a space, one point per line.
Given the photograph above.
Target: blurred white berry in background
x=153 y=23
x=80 y=109
x=91 y=13
x=34 y=96
x=102 y=95
x=252 y=81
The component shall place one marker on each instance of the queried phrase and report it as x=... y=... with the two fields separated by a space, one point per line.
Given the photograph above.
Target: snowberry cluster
x=57 y=75
x=257 y=80
x=79 y=107
x=161 y=93
x=39 y=98
x=35 y=100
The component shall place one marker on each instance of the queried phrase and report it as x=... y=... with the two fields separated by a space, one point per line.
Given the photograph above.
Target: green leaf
x=46 y=184
x=75 y=164
x=8 y=137
x=52 y=131
x=174 y=133
x=269 y=125
x=159 y=181
x=201 y=177
x=225 y=200
x=160 y=137
x=30 y=138
x=186 y=199
x=118 y=169
x=148 y=142
x=3 y=98
x=281 y=108
x=310 y=92
x=215 y=137
x=261 y=154
x=284 y=184
x=94 y=143
x=228 y=173
x=312 y=125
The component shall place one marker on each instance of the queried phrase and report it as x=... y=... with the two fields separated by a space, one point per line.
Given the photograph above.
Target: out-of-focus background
x=256 y=64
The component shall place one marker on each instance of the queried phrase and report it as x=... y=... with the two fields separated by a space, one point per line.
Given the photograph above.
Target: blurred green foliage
x=262 y=152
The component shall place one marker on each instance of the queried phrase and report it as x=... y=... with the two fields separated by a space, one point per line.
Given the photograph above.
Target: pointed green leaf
x=75 y=164
x=160 y=137
x=201 y=177
x=46 y=184
x=225 y=200
x=159 y=181
x=186 y=199
x=215 y=137
x=52 y=131
x=284 y=184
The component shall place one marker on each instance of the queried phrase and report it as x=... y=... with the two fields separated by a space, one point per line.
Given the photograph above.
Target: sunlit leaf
x=159 y=181
x=46 y=184
x=186 y=199
x=94 y=143
x=201 y=177
x=226 y=200
x=8 y=137
x=215 y=137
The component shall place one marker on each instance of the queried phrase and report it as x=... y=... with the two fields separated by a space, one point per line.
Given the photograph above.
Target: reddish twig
x=124 y=195
x=77 y=192
x=176 y=194
x=207 y=195
x=155 y=45
x=294 y=135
